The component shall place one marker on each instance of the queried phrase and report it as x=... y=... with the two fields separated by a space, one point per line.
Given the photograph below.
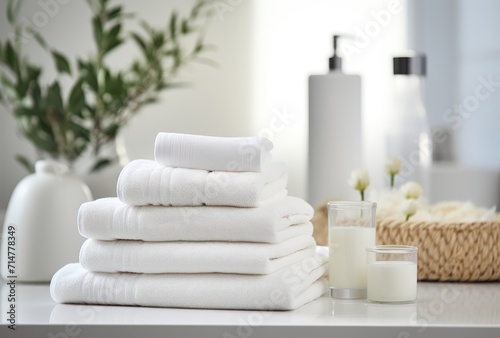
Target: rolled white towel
x=286 y=289
x=212 y=153
x=279 y=220
x=145 y=182
x=194 y=257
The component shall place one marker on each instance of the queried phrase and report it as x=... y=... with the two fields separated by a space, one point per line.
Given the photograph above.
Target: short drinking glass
x=392 y=273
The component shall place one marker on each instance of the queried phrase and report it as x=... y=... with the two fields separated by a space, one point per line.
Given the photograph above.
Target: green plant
x=101 y=100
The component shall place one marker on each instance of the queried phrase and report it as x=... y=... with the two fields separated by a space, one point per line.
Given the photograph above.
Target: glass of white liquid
x=392 y=273
x=351 y=228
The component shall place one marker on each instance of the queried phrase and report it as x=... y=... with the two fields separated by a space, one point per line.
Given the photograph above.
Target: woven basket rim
x=441 y=223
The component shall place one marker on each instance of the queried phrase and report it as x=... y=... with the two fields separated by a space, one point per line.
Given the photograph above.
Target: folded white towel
x=145 y=182
x=194 y=257
x=285 y=289
x=212 y=153
x=109 y=219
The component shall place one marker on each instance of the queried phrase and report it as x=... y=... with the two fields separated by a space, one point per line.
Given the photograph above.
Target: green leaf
x=7 y=83
x=54 y=101
x=158 y=40
x=98 y=6
x=10 y=92
x=146 y=27
x=22 y=88
x=80 y=147
x=11 y=57
x=13 y=8
x=94 y=5
x=113 y=44
x=115 y=86
x=76 y=100
x=173 y=25
x=101 y=164
x=196 y=9
x=23 y=111
x=140 y=41
x=149 y=100
x=37 y=37
x=111 y=38
x=36 y=96
x=185 y=27
x=173 y=85
x=43 y=127
x=97 y=28
x=209 y=47
x=62 y=63
x=114 y=12
x=42 y=141
x=91 y=111
x=88 y=74
x=112 y=130
x=115 y=31
x=199 y=46
x=25 y=163
x=79 y=131
x=177 y=57
x=10 y=11
x=33 y=73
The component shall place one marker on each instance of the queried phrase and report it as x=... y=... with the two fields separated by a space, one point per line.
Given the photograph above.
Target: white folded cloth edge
x=212 y=152
x=285 y=289
x=109 y=219
x=145 y=182
x=194 y=257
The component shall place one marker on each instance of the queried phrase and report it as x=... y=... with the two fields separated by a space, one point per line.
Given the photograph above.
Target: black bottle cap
x=335 y=62
x=406 y=65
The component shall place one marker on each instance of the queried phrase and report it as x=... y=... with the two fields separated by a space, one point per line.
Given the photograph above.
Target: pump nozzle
x=335 y=39
x=335 y=62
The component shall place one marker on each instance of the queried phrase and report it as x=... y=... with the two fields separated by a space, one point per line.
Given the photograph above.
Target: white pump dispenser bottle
x=335 y=140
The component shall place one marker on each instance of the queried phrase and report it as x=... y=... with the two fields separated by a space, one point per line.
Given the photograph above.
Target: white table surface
x=470 y=306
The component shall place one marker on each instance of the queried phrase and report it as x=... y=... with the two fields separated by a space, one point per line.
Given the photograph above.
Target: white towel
x=285 y=289
x=212 y=153
x=145 y=182
x=194 y=257
x=109 y=219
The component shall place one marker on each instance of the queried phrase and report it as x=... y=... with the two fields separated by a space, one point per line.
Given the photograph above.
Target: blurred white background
x=266 y=51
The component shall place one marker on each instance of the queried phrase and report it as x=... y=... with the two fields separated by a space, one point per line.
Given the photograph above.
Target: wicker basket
x=466 y=252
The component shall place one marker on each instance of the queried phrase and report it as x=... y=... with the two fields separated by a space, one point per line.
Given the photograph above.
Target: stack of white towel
x=208 y=224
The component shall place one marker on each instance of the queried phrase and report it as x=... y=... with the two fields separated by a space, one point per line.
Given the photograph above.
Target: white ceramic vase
x=40 y=225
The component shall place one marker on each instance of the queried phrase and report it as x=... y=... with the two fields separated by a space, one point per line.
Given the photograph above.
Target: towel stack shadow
x=207 y=224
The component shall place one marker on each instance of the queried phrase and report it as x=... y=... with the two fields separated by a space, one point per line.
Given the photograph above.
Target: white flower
x=393 y=165
x=412 y=190
x=409 y=208
x=359 y=180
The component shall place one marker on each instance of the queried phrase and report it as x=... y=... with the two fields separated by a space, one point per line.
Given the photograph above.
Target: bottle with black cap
x=335 y=145
x=408 y=134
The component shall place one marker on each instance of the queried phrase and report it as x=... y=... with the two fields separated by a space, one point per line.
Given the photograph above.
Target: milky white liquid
x=392 y=281
x=348 y=256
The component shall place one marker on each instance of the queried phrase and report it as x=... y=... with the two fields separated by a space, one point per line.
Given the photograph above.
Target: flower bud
x=412 y=190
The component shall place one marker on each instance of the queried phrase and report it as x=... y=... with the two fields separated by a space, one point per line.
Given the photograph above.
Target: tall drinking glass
x=351 y=227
